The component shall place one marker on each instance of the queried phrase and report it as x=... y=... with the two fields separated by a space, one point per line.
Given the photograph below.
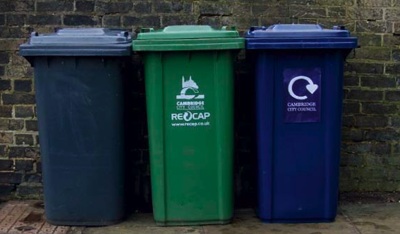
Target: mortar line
x=350 y=221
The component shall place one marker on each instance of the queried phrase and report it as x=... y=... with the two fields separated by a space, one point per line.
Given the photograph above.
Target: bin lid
x=188 y=37
x=299 y=36
x=79 y=42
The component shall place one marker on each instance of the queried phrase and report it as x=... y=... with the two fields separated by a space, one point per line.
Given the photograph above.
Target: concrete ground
x=374 y=218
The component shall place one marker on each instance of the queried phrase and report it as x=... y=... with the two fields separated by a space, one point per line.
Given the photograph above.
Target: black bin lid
x=79 y=42
x=299 y=36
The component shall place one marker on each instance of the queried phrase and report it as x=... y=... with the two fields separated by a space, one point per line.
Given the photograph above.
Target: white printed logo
x=189 y=116
x=311 y=87
x=192 y=106
x=189 y=85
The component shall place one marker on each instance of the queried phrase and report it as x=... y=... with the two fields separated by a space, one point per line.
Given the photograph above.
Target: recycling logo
x=311 y=87
x=190 y=106
x=187 y=86
x=302 y=88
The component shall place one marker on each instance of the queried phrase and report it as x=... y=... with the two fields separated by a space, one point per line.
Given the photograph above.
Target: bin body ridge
x=298 y=163
x=194 y=157
x=80 y=130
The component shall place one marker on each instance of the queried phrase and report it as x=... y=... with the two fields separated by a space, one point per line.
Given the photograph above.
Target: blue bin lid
x=79 y=42
x=299 y=36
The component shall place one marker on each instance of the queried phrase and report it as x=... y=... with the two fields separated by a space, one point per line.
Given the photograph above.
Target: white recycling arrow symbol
x=311 y=87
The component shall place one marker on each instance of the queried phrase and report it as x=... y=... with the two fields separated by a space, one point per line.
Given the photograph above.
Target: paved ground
x=375 y=218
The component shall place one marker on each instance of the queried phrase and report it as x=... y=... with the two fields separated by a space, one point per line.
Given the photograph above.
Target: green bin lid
x=188 y=37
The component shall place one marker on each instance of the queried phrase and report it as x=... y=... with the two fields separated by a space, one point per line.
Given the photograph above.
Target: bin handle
x=339 y=27
x=253 y=28
x=125 y=34
x=231 y=28
x=145 y=30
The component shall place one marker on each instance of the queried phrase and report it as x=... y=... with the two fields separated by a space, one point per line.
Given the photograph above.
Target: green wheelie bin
x=189 y=92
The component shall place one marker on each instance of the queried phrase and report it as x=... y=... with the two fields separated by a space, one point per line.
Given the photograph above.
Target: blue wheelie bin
x=299 y=77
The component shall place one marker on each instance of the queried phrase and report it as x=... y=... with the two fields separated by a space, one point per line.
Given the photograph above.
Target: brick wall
x=371 y=123
x=370 y=149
